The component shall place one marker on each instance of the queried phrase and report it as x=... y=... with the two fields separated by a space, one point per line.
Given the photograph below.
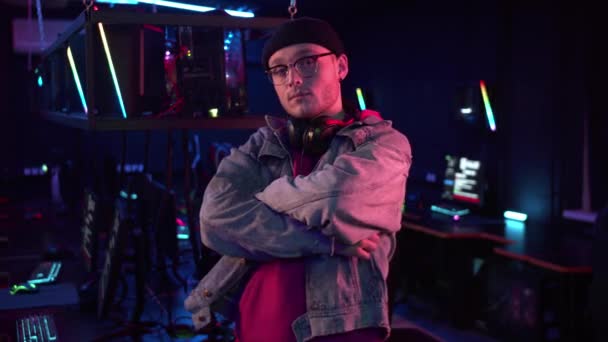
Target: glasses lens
x=277 y=75
x=306 y=66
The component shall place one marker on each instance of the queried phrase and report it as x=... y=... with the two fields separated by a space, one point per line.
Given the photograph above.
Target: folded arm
x=233 y=222
x=360 y=194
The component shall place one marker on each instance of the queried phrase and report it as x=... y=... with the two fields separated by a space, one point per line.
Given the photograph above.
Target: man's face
x=315 y=92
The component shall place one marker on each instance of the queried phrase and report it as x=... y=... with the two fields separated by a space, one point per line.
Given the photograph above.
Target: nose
x=293 y=77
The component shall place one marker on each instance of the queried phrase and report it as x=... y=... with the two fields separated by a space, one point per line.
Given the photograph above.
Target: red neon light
x=153 y=28
x=466 y=199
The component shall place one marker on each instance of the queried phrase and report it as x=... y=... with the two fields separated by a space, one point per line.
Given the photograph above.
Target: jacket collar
x=275 y=144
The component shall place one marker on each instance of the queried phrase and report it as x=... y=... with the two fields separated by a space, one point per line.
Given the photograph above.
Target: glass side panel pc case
x=146 y=70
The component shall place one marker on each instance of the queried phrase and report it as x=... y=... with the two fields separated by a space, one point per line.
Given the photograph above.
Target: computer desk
x=454 y=249
x=445 y=255
x=560 y=260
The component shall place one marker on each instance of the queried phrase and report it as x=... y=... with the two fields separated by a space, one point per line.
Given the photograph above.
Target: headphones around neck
x=313 y=136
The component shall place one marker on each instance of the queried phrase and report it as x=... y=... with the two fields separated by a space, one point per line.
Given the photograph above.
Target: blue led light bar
x=360 y=99
x=54 y=271
x=513 y=215
x=179 y=5
x=449 y=212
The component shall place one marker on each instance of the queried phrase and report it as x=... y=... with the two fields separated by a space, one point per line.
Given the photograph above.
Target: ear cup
x=295 y=131
x=313 y=136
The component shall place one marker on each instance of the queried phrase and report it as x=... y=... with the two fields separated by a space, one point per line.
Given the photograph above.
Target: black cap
x=302 y=30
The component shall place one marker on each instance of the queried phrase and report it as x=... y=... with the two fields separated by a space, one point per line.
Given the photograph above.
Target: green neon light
x=360 y=99
x=106 y=48
x=77 y=80
x=15 y=288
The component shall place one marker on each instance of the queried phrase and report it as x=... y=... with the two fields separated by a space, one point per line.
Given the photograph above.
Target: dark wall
x=541 y=62
x=8 y=136
x=596 y=74
x=412 y=60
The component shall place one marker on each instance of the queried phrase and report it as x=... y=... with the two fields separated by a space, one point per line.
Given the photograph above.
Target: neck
x=338 y=116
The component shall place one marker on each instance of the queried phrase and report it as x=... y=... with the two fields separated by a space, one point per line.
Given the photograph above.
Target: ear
x=342 y=62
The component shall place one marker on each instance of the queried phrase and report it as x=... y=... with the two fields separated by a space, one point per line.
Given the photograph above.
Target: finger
x=375 y=237
x=368 y=245
x=363 y=254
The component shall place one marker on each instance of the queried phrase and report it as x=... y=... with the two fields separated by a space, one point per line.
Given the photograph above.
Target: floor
x=38 y=229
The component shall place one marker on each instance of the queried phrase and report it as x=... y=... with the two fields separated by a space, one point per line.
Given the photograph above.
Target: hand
x=361 y=249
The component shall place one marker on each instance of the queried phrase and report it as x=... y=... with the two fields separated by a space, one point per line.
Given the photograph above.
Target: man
x=306 y=211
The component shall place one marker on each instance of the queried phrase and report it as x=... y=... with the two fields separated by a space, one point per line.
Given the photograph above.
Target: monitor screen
x=463 y=180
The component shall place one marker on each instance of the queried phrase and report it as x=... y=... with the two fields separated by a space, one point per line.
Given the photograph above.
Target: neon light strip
x=53 y=272
x=106 y=48
x=241 y=14
x=466 y=198
x=360 y=99
x=77 y=80
x=449 y=212
x=486 y=102
x=179 y=5
x=56 y=272
x=466 y=110
x=119 y=2
x=513 y=215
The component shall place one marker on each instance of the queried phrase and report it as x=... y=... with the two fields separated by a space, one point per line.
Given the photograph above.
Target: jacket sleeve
x=360 y=193
x=233 y=222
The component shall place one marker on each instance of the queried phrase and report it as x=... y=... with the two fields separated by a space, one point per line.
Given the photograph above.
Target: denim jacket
x=255 y=210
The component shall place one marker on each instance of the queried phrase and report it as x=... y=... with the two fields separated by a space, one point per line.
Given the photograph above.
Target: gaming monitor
x=464 y=181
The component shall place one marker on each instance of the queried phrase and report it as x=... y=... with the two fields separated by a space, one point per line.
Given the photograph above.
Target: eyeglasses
x=305 y=66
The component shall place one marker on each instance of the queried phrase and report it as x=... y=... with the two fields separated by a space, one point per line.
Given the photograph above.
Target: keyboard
x=38 y=328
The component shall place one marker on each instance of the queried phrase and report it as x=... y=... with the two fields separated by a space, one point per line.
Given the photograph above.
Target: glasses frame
x=293 y=66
